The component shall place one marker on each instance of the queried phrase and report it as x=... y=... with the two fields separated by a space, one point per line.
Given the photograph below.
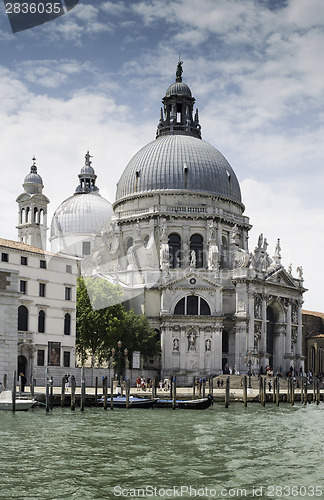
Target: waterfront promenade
x=236 y=392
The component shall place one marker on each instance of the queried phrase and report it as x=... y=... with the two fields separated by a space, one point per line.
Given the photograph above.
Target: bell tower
x=32 y=210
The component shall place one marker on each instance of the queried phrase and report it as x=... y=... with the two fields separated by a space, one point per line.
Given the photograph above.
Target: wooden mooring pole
x=318 y=392
x=73 y=392
x=227 y=391
x=96 y=391
x=112 y=393
x=105 y=390
x=128 y=391
x=174 y=392
x=274 y=391
x=305 y=391
x=244 y=390
x=14 y=388
x=260 y=389
x=264 y=392
x=314 y=389
x=292 y=392
x=83 y=390
x=194 y=388
x=277 y=390
x=302 y=389
x=47 y=395
x=62 y=391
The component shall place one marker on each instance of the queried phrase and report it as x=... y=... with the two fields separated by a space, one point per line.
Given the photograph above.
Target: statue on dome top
x=179 y=71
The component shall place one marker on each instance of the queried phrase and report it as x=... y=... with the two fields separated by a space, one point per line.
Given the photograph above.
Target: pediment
x=191 y=280
x=281 y=277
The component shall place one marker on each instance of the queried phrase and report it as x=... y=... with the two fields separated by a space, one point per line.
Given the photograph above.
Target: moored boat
x=186 y=404
x=121 y=402
x=21 y=404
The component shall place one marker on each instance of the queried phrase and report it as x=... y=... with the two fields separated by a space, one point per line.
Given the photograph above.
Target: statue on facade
x=176 y=345
x=207 y=345
x=191 y=342
x=300 y=272
x=193 y=259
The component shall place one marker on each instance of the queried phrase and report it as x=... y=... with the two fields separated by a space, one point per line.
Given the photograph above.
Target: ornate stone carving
x=176 y=345
x=207 y=345
x=191 y=341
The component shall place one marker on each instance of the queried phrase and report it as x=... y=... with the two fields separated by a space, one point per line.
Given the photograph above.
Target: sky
x=94 y=78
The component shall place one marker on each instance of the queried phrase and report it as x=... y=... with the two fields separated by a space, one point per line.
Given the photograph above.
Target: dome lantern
x=177 y=114
x=87 y=178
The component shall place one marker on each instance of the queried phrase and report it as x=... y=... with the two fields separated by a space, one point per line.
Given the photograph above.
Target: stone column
x=299 y=333
x=217 y=348
x=240 y=344
x=250 y=345
x=183 y=349
x=201 y=348
x=288 y=336
x=263 y=343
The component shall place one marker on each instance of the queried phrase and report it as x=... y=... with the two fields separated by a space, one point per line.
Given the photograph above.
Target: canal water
x=253 y=452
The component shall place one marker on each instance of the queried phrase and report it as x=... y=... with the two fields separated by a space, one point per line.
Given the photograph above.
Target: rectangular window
x=23 y=286
x=40 y=357
x=69 y=269
x=86 y=248
x=42 y=290
x=42 y=264
x=68 y=293
x=66 y=359
x=5 y=257
x=23 y=261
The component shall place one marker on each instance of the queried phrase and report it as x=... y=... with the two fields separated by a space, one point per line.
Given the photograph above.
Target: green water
x=218 y=453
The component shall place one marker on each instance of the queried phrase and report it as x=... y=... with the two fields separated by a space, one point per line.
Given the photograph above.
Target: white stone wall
x=56 y=279
x=9 y=300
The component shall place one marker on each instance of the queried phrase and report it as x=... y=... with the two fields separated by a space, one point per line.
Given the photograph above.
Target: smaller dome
x=81 y=214
x=33 y=178
x=87 y=170
x=178 y=88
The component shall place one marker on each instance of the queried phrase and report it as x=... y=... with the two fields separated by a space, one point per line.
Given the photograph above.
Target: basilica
x=176 y=241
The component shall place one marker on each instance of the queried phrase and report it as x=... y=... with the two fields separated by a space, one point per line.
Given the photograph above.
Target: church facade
x=177 y=243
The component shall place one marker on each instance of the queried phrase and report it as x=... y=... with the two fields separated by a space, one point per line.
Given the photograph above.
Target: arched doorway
x=22 y=366
x=270 y=334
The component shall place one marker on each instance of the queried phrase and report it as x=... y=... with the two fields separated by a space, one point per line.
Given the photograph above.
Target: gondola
x=120 y=402
x=186 y=404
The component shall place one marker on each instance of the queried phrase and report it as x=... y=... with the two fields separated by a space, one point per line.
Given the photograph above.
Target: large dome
x=81 y=214
x=178 y=163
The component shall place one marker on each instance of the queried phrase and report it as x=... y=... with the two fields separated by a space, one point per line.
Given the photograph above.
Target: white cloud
x=278 y=212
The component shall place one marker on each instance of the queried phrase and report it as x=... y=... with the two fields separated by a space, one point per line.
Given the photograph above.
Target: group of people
x=142 y=383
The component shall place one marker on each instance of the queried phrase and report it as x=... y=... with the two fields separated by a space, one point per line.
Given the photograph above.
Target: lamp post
x=249 y=361
x=113 y=352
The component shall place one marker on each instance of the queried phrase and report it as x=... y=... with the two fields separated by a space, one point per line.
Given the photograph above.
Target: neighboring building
x=178 y=245
x=9 y=303
x=313 y=341
x=44 y=319
x=79 y=221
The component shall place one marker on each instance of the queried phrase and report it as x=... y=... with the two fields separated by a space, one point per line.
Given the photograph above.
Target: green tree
x=102 y=321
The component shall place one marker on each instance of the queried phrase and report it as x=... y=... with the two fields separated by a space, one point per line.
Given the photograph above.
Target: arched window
x=41 y=216
x=312 y=360
x=197 y=245
x=224 y=251
x=192 y=305
x=67 y=324
x=175 y=250
x=41 y=321
x=36 y=215
x=22 y=319
x=22 y=216
x=27 y=214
